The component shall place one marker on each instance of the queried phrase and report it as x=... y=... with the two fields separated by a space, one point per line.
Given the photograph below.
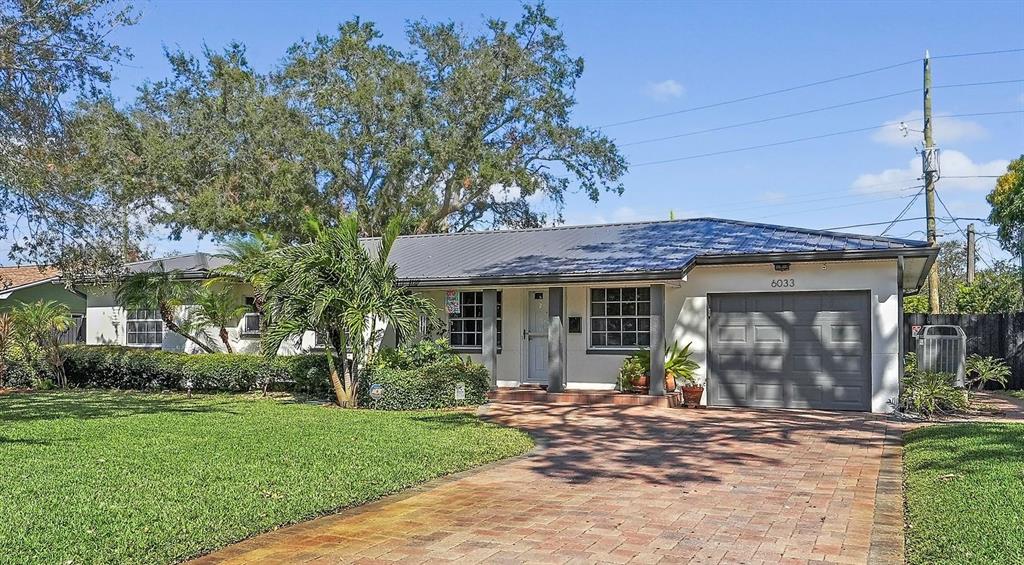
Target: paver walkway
x=630 y=484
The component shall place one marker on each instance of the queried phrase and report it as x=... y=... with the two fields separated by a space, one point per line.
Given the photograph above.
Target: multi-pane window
x=620 y=317
x=466 y=329
x=145 y=327
x=251 y=320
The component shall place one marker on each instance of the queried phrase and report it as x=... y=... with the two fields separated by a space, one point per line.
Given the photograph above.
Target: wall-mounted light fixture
x=781 y=267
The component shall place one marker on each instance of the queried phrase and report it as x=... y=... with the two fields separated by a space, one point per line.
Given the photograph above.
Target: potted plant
x=679 y=368
x=633 y=374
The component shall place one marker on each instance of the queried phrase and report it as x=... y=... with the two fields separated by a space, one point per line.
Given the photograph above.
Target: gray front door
x=790 y=350
x=537 y=336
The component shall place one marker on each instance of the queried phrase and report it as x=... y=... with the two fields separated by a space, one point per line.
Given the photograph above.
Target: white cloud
x=665 y=90
x=952 y=164
x=945 y=130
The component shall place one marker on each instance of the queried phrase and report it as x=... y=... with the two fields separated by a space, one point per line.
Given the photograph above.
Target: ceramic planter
x=692 y=395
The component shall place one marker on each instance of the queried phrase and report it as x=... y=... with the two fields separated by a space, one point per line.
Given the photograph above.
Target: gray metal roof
x=627 y=250
x=193 y=265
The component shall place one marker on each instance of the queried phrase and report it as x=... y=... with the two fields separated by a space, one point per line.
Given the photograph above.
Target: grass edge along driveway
x=964 y=486
x=113 y=477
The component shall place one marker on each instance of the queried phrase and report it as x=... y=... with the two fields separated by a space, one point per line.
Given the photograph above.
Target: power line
x=977 y=53
x=986 y=83
x=761 y=95
x=874 y=224
x=831 y=207
x=971 y=176
x=806 y=112
x=957 y=224
x=801 y=86
x=903 y=212
x=773 y=118
x=811 y=138
x=791 y=202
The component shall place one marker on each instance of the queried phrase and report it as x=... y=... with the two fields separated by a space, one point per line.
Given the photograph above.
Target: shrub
x=983 y=370
x=910 y=363
x=421 y=376
x=128 y=368
x=929 y=393
x=25 y=369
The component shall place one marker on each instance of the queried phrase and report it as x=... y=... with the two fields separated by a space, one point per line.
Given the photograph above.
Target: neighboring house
x=32 y=283
x=778 y=316
x=109 y=324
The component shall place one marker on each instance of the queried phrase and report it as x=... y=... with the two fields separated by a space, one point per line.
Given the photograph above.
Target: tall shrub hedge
x=421 y=376
x=129 y=368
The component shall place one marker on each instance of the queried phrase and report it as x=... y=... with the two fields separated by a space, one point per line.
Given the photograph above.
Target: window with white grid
x=466 y=329
x=620 y=317
x=145 y=328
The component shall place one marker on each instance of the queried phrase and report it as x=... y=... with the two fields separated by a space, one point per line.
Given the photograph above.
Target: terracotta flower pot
x=640 y=383
x=692 y=395
x=670 y=382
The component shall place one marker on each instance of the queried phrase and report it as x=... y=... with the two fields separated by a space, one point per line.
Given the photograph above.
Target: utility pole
x=970 y=253
x=929 y=165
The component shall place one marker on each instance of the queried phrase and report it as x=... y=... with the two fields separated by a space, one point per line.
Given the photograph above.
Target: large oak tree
x=52 y=54
x=458 y=132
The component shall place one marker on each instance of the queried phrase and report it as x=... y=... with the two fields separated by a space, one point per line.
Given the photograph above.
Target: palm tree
x=42 y=323
x=164 y=290
x=6 y=342
x=338 y=287
x=248 y=261
x=217 y=306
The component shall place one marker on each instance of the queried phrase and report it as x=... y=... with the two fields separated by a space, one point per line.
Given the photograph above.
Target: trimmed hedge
x=111 y=366
x=422 y=376
x=430 y=386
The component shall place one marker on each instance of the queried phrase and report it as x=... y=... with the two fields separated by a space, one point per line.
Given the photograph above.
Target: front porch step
x=670 y=400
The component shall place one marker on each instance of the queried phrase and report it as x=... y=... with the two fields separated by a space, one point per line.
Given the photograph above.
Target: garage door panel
x=764 y=333
x=808 y=395
x=768 y=393
x=732 y=334
x=798 y=350
x=768 y=362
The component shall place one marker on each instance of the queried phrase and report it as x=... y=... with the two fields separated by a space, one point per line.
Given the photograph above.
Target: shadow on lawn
x=961 y=448
x=582 y=444
x=85 y=405
x=451 y=419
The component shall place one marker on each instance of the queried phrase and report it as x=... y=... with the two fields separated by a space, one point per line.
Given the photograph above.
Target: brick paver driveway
x=629 y=484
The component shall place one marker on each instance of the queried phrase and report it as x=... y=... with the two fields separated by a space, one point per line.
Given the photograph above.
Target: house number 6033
x=783 y=283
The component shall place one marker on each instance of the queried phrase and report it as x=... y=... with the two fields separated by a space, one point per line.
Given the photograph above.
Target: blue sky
x=651 y=58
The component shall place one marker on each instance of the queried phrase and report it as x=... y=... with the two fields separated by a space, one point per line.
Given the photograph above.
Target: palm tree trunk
x=168 y=316
x=339 y=391
x=224 y=338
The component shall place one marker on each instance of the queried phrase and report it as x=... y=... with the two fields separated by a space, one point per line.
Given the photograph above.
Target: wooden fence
x=995 y=335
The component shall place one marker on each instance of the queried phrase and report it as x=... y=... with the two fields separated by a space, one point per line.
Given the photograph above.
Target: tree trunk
x=168 y=317
x=224 y=338
x=339 y=391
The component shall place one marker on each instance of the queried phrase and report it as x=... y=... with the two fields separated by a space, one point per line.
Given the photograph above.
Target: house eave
x=675 y=274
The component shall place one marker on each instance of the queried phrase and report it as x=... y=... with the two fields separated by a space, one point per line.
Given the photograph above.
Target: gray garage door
x=790 y=350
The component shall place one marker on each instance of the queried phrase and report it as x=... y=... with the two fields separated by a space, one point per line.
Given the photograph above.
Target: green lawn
x=965 y=494
x=102 y=477
x=1016 y=393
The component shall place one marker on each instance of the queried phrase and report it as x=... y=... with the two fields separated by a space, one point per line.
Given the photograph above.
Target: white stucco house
x=778 y=316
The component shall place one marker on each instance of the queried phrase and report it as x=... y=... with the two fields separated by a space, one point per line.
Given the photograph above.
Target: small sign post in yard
x=376 y=391
x=460 y=391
